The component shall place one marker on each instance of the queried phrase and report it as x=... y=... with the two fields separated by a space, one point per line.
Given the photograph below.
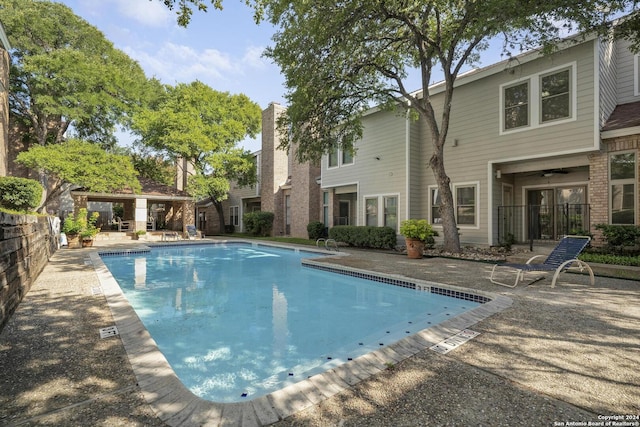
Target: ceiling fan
x=550 y=172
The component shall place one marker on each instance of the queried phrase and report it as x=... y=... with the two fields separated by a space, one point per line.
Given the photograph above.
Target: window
x=234 y=215
x=541 y=99
x=622 y=180
x=555 y=96
x=347 y=157
x=287 y=214
x=516 y=106
x=434 y=202
x=325 y=208
x=333 y=158
x=391 y=212
x=371 y=205
x=466 y=204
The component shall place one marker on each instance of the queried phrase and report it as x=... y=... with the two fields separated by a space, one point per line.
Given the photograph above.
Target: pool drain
x=107 y=332
x=455 y=341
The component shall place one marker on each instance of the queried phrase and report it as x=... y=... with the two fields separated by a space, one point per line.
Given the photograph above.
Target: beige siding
x=608 y=79
x=626 y=74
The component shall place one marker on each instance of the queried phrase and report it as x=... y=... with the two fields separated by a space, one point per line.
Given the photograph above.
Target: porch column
x=141 y=214
x=79 y=202
x=188 y=214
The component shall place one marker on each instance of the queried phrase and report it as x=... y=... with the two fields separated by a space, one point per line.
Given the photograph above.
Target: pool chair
x=562 y=258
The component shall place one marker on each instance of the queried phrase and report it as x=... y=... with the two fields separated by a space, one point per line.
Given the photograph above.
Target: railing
x=522 y=224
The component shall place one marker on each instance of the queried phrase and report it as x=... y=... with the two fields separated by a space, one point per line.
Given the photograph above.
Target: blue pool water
x=239 y=321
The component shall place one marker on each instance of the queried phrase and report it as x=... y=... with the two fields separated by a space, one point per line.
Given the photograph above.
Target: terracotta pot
x=73 y=241
x=415 y=248
x=87 y=243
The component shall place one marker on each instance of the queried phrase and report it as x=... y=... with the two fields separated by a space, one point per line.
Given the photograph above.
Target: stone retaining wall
x=26 y=243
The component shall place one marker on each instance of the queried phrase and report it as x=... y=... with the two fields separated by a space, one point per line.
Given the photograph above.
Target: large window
x=555 y=99
x=516 y=106
x=371 y=205
x=541 y=99
x=234 y=215
x=622 y=179
x=466 y=204
x=391 y=212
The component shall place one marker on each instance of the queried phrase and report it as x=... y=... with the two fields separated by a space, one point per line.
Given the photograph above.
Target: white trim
x=475 y=184
x=380 y=198
x=616 y=133
x=636 y=72
x=407 y=168
x=596 y=94
x=535 y=100
x=634 y=181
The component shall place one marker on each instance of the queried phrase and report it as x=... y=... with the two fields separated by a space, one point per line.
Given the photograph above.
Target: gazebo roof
x=150 y=190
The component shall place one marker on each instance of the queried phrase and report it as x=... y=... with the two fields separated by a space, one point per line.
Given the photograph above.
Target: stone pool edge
x=174 y=404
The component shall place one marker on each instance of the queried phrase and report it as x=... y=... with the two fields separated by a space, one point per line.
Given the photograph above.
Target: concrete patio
x=564 y=355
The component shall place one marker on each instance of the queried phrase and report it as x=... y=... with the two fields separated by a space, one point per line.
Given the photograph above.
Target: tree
x=66 y=76
x=184 y=12
x=341 y=58
x=203 y=126
x=81 y=163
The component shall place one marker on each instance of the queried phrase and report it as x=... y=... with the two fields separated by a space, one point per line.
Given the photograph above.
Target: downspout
x=407 y=160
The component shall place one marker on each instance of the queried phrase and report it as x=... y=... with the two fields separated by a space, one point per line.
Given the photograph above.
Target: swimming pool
x=239 y=321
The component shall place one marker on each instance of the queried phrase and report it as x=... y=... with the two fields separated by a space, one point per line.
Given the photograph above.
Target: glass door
x=541 y=216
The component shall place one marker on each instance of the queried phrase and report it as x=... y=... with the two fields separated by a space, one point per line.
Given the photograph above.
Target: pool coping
x=176 y=405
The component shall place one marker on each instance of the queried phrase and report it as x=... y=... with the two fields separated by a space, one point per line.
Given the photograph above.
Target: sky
x=223 y=49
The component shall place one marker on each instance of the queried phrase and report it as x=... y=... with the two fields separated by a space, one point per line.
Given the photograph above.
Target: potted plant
x=80 y=229
x=417 y=234
x=139 y=234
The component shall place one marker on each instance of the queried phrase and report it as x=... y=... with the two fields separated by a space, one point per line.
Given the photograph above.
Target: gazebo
x=156 y=206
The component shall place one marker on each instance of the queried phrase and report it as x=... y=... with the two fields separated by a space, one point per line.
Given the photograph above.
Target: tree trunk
x=447 y=211
x=220 y=212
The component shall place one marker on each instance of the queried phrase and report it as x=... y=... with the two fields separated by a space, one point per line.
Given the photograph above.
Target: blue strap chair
x=563 y=257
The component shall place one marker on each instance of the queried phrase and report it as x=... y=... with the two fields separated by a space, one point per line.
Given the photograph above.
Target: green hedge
x=258 y=223
x=619 y=237
x=364 y=236
x=19 y=194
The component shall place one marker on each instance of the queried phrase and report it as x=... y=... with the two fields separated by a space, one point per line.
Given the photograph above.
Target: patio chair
x=562 y=258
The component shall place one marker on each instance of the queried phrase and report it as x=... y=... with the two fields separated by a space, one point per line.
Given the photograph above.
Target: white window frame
x=476 y=185
x=504 y=106
x=340 y=159
x=636 y=75
x=626 y=181
x=235 y=223
x=535 y=99
x=431 y=206
x=380 y=214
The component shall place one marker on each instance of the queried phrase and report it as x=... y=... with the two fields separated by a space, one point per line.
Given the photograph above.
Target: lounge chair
x=563 y=256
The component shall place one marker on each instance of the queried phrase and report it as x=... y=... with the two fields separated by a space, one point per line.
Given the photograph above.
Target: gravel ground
x=561 y=355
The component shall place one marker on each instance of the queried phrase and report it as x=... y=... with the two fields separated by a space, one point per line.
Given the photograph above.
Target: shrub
x=619 y=237
x=364 y=236
x=316 y=230
x=258 y=223
x=81 y=224
x=19 y=194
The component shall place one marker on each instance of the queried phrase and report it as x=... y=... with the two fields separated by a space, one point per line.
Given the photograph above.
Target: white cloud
x=253 y=57
x=148 y=13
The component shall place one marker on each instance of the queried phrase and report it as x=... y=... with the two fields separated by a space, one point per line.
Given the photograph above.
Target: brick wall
x=26 y=243
x=599 y=180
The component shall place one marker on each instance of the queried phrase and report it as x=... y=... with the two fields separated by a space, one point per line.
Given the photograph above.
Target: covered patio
x=157 y=207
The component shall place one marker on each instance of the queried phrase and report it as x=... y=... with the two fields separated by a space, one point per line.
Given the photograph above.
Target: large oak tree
x=66 y=76
x=204 y=126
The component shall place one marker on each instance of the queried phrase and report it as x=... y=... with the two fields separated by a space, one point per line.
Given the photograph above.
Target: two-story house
x=538 y=146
